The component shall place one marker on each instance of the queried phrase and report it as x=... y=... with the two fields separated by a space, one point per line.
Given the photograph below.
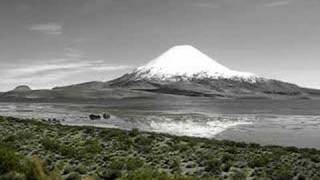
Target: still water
x=283 y=122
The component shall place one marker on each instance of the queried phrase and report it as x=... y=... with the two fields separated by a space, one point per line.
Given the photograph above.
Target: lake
x=276 y=122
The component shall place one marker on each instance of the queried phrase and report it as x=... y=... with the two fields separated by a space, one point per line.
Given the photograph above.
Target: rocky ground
x=64 y=152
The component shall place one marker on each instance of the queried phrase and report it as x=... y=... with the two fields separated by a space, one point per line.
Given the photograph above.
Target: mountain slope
x=185 y=70
x=187 y=62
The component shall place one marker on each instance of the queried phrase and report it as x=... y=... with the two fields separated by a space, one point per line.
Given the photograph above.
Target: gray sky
x=46 y=43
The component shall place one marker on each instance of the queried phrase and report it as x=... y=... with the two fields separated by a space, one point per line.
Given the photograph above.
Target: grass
x=35 y=150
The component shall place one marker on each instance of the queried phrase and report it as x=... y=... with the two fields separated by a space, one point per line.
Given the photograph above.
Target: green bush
x=227 y=157
x=225 y=167
x=134 y=163
x=152 y=174
x=92 y=147
x=134 y=132
x=237 y=174
x=231 y=150
x=113 y=134
x=313 y=157
x=175 y=165
x=65 y=150
x=124 y=144
x=259 y=161
x=143 y=144
x=117 y=164
x=181 y=147
x=143 y=141
x=110 y=174
x=292 y=149
x=282 y=173
x=213 y=165
x=49 y=144
x=143 y=174
x=9 y=161
x=15 y=166
x=73 y=176
x=10 y=139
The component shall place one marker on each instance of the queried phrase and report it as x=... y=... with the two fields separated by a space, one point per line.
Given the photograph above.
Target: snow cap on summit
x=187 y=61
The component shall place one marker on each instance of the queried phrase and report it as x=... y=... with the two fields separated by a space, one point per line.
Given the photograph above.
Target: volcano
x=185 y=70
x=188 y=62
x=181 y=70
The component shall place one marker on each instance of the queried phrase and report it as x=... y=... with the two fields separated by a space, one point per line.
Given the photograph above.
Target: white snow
x=187 y=61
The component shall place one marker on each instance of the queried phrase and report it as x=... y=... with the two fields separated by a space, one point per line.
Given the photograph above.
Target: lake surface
x=283 y=122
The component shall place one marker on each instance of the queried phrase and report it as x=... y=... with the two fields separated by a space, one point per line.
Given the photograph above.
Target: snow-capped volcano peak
x=188 y=62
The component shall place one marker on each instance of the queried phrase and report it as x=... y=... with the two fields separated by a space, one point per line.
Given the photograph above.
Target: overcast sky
x=46 y=43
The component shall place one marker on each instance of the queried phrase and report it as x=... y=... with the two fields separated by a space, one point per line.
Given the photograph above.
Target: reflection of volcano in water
x=267 y=127
x=165 y=124
x=200 y=125
x=191 y=128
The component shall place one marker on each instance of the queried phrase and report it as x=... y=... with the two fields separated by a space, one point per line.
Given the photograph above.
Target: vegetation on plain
x=35 y=150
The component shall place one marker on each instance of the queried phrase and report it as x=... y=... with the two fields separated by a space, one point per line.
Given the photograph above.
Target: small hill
x=22 y=88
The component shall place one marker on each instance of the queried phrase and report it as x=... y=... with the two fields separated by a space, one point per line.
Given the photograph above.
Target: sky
x=48 y=43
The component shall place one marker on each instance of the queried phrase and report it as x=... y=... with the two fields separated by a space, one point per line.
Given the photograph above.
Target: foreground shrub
x=152 y=174
x=237 y=174
x=134 y=132
x=92 y=147
x=134 y=163
x=65 y=150
x=282 y=173
x=15 y=166
x=40 y=173
x=11 y=162
x=143 y=144
x=259 y=161
x=213 y=165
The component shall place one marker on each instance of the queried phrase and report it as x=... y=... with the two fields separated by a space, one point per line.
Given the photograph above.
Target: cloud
x=110 y=68
x=50 y=28
x=73 y=53
x=206 y=4
x=63 y=67
x=279 y=3
x=72 y=68
x=59 y=72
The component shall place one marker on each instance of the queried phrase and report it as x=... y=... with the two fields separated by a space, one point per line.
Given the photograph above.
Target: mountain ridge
x=182 y=70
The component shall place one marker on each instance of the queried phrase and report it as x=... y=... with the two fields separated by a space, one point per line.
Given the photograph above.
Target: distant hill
x=73 y=93
x=22 y=88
